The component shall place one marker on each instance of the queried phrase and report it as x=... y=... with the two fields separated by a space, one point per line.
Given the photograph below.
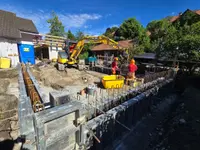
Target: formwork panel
x=56 y=124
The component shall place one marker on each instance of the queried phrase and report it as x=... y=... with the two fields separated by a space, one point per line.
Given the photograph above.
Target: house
x=175 y=18
x=16 y=36
x=108 y=50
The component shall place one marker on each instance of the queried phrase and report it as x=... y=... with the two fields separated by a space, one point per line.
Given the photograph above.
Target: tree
x=56 y=26
x=181 y=43
x=79 y=35
x=132 y=29
x=110 y=32
x=158 y=28
x=70 y=35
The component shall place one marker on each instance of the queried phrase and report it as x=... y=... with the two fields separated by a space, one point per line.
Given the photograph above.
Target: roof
x=146 y=56
x=197 y=12
x=125 y=43
x=11 y=25
x=26 y=25
x=102 y=47
x=8 y=25
x=174 y=18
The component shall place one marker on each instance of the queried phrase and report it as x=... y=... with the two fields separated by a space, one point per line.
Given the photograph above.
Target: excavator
x=65 y=59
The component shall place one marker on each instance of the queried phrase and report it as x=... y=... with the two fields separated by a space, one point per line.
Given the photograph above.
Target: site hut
x=47 y=46
x=16 y=38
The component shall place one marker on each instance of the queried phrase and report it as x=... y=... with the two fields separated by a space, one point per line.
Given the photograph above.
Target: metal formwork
x=65 y=126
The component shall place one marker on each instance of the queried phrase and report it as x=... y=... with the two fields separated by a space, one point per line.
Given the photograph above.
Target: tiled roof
x=123 y=44
x=102 y=47
x=197 y=12
x=11 y=25
x=174 y=18
x=126 y=43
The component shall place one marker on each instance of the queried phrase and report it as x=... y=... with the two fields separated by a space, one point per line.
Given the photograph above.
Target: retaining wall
x=66 y=126
x=114 y=123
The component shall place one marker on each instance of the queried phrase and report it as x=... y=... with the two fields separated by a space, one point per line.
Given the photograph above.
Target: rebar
x=31 y=91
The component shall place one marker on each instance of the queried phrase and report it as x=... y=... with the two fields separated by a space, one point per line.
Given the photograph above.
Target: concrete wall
x=9 y=49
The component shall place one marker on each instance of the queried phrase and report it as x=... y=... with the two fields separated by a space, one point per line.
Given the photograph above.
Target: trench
x=112 y=123
x=140 y=136
x=115 y=128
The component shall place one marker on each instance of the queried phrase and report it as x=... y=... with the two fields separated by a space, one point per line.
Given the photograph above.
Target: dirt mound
x=49 y=76
x=4 y=83
x=9 y=73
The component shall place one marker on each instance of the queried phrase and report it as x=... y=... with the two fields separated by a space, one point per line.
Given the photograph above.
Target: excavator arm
x=95 y=40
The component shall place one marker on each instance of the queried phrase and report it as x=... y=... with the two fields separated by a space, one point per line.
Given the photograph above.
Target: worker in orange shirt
x=132 y=68
x=114 y=66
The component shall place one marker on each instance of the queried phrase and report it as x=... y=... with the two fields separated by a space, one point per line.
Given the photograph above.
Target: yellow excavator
x=65 y=60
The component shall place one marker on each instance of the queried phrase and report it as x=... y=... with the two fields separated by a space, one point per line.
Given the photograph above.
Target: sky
x=94 y=16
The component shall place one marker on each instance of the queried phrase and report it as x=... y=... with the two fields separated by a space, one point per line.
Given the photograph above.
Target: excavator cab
x=62 y=60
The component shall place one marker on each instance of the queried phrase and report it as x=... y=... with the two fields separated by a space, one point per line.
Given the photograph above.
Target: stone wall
x=8 y=117
x=9 y=129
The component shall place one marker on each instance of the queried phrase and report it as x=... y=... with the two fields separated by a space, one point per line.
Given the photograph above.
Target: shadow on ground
x=10 y=144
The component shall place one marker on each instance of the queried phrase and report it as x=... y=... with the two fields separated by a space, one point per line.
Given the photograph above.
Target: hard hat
x=116 y=58
x=132 y=61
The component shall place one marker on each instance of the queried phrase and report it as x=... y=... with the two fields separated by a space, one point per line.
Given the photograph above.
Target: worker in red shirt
x=132 y=68
x=114 y=66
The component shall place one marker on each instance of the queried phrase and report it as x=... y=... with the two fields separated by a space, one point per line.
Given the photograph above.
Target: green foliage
x=86 y=51
x=132 y=29
x=158 y=28
x=110 y=32
x=56 y=26
x=79 y=35
x=180 y=43
x=189 y=18
x=84 y=55
x=135 y=50
x=70 y=35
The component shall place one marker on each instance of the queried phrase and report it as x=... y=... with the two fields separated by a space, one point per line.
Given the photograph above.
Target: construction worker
x=132 y=68
x=114 y=66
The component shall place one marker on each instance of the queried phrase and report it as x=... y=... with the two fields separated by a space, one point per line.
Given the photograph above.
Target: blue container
x=26 y=53
x=90 y=60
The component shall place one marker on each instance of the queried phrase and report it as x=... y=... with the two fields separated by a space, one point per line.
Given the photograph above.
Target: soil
x=181 y=129
x=49 y=76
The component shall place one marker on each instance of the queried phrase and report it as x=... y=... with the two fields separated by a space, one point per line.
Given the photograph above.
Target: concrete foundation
x=74 y=126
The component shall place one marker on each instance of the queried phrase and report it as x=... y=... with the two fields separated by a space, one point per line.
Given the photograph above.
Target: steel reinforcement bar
x=31 y=91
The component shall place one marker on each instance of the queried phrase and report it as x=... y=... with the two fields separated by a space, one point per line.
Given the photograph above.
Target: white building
x=13 y=31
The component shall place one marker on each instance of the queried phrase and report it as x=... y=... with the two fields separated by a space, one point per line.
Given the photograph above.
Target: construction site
x=81 y=106
x=53 y=99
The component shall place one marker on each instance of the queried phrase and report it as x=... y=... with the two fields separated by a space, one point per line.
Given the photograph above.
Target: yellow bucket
x=113 y=81
x=4 y=63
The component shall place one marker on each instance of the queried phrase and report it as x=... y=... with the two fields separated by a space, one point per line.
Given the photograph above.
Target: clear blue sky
x=94 y=16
